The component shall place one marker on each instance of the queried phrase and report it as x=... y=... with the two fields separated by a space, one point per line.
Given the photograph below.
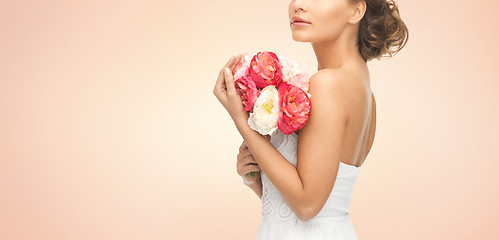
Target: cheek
x=331 y=18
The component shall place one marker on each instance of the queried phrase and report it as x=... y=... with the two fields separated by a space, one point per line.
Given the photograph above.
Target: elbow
x=307 y=212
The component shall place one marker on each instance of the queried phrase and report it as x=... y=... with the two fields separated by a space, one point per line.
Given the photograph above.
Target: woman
x=306 y=178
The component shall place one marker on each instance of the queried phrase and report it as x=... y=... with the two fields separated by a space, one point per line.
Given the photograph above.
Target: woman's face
x=327 y=18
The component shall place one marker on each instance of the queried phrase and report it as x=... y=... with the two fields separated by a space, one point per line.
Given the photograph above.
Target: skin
x=342 y=122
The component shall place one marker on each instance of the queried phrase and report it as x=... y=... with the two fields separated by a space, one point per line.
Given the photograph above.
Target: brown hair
x=381 y=30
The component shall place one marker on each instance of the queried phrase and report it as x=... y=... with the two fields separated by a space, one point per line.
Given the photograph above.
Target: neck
x=333 y=53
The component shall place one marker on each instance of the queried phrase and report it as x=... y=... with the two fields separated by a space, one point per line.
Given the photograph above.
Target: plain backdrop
x=109 y=128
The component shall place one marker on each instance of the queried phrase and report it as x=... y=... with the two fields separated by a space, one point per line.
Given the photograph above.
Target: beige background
x=109 y=128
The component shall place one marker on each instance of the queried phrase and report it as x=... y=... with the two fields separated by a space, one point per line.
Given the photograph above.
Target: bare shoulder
x=337 y=91
x=332 y=84
x=337 y=78
x=330 y=76
x=329 y=99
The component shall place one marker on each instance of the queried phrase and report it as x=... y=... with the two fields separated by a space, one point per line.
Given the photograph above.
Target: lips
x=298 y=19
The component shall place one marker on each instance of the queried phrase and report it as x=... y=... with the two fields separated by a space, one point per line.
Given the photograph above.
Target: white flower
x=264 y=117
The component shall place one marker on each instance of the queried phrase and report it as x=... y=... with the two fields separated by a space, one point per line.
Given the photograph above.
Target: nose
x=298 y=4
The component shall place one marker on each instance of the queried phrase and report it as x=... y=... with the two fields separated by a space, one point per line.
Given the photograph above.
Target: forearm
x=256 y=187
x=283 y=175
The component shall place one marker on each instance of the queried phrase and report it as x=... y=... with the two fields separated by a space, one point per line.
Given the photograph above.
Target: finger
x=220 y=88
x=246 y=157
x=229 y=81
x=237 y=60
x=252 y=168
x=240 y=167
x=244 y=153
x=241 y=157
x=239 y=171
x=230 y=62
x=243 y=146
x=249 y=160
x=220 y=83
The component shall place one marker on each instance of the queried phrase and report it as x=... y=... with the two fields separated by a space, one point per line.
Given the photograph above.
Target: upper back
x=361 y=122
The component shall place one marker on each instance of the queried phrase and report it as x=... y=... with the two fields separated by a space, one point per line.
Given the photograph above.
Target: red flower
x=294 y=106
x=248 y=92
x=265 y=69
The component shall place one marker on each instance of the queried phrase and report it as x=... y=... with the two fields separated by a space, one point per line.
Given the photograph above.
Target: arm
x=256 y=186
x=307 y=187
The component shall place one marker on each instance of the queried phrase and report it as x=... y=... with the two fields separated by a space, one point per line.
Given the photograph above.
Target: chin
x=300 y=37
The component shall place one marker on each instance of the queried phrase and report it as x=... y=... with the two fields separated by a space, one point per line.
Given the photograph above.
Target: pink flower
x=300 y=80
x=265 y=69
x=294 y=106
x=248 y=92
x=242 y=68
x=292 y=73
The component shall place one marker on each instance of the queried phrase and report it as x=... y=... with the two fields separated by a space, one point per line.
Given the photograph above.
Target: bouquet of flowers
x=275 y=92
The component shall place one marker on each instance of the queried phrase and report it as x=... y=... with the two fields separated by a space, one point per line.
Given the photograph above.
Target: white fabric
x=333 y=221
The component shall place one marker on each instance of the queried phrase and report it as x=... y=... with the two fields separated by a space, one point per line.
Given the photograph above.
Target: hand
x=247 y=164
x=226 y=93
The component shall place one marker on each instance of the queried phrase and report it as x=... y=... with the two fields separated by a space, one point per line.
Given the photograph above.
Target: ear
x=359 y=9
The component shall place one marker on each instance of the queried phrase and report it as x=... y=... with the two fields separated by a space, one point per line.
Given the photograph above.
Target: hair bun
x=381 y=31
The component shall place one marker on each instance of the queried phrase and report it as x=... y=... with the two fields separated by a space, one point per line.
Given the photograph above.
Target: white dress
x=333 y=221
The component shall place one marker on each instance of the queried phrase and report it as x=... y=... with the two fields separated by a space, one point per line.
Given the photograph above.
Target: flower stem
x=252 y=174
